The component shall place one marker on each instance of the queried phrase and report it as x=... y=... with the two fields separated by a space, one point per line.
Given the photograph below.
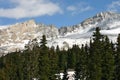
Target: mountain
x=15 y=37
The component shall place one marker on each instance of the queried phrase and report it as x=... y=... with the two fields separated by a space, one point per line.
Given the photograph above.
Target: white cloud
x=79 y=8
x=30 y=8
x=71 y=8
x=114 y=6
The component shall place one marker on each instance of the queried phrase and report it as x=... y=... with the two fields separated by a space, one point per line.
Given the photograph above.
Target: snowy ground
x=70 y=75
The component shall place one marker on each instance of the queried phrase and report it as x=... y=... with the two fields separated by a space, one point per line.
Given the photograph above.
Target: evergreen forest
x=98 y=60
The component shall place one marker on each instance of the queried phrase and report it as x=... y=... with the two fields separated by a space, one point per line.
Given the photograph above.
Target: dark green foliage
x=97 y=35
x=95 y=70
x=107 y=61
x=62 y=59
x=53 y=57
x=100 y=60
x=117 y=60
x=44 y=67
x=71 y=59
x=65 y=74
x=81 y=66
x=44 y=62
x=43 y=42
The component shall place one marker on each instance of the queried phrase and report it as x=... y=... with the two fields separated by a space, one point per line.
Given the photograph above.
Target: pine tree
x=117 y=60
x=107 y=61
x=86 y=62
x=53 y=57
x=71 y=59
x=43 y=42
x=62 y=59
x=2 y=65
x=44 y=62
x=57 y=49
x=81 y=66
x=77 y=51
x=65 y=74
x=95 y=70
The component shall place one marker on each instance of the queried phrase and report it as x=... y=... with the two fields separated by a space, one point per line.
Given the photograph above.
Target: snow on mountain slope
x=109 y=22
x=16 y=36
x=4 y=27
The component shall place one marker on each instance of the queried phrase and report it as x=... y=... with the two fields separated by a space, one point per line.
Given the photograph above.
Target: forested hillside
x=98 y=60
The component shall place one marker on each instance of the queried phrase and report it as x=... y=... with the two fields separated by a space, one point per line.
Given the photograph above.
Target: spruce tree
x=107 y=61
x=81 y=66
x=53 y=57
x=43 y=42
x=44 y=62
x=86 y=62
x=65 y=74
x=117 y=60
x=95 y=70
x=71 y=59
x=62 y=59
x=2 y=65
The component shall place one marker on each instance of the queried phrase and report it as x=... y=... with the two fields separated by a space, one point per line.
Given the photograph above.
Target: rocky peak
x=20 y=33
x=16 y=35
x=30 y=22
x=106 y=15
x=101 y=19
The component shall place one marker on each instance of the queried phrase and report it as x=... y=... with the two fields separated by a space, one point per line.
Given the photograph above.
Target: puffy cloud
x=79 y=8
x=114 y=6
x=30 y=8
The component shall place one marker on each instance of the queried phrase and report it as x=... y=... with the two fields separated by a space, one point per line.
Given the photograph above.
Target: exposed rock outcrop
x=16 y=36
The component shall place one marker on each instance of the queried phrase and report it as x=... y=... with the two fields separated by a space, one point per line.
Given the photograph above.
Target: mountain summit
x=15 y=37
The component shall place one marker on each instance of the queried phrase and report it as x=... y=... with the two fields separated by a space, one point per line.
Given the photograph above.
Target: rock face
x=18 y=32
x=15 y=37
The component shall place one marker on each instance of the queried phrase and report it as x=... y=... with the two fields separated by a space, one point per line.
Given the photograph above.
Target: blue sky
x=57 y=12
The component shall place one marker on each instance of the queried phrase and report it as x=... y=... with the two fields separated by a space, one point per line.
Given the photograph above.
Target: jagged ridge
x=16 y=36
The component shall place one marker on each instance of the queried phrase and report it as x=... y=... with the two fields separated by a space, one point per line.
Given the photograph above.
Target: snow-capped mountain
x=14 y=37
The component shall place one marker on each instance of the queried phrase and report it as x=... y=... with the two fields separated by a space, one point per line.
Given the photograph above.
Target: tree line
x=98 y=60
